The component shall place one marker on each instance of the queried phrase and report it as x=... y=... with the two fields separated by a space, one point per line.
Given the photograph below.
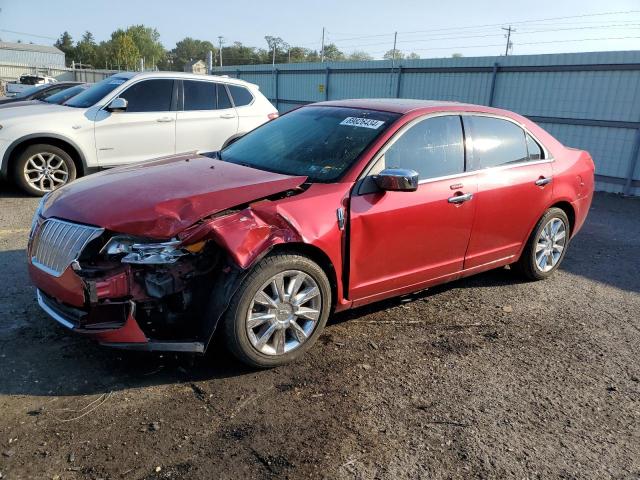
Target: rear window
x=495 y=142
x=535 y=150
x=241 y=96
x=199 y=95
x=223 y=98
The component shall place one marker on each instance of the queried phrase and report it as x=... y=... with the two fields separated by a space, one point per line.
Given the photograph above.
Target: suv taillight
x=273 y=116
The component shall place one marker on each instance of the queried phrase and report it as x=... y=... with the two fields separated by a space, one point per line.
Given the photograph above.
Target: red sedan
x=332 y=206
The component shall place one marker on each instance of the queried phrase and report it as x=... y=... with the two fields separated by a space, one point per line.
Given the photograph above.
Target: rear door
x=399 y=240
x=207 y=118
x=146 y=130
x=514 y=187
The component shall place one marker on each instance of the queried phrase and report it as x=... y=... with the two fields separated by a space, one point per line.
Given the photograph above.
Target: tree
x=123 y=50
x=359 y=55
x=65 y=43
x=299 y=54
x=239 y=54
x=456 y=55
x=413 y=56
x=147 y=41
x=275 y=44
x=390 y=55
x=85 y=51
x=189 y=49
x=332 y=53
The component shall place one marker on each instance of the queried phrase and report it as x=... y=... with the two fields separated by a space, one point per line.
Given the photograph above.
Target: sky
x=428 y=28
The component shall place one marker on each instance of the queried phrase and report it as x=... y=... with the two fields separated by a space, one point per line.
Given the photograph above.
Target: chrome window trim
x=548 y=157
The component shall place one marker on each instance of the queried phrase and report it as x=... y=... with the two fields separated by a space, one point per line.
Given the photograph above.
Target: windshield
x=95 y=93
x=65 y=94
x=317 y=142
x=29 y=91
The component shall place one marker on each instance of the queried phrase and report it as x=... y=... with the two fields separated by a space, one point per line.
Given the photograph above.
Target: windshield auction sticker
x=362 y=122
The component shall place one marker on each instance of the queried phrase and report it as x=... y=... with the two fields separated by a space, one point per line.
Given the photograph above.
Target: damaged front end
x=139 y=293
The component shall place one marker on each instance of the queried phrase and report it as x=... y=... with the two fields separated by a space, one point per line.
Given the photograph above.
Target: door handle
x=227 y=115
x=460 y=198
x=542 y=181
x=165 y=119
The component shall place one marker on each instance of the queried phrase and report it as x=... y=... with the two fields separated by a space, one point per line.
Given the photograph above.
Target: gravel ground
x=487 y=377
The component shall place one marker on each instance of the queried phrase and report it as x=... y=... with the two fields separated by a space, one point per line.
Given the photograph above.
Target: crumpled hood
x=160 y=198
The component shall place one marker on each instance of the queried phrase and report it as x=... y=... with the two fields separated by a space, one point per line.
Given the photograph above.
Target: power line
x=520 y=43
x=492 y=24
x=430 y=39
x=26 y=34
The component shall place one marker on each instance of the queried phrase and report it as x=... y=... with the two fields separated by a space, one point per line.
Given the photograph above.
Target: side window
x=199 y=95
x=495 y=142
x=535 y=151
x=241 y=96
x=149 y=96
x=433 y=148
x=223 y=98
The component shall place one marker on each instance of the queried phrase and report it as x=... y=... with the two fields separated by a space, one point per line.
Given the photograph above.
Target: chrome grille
x=57 y=243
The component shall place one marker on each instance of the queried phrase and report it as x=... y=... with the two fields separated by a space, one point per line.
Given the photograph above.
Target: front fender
x=246 y=235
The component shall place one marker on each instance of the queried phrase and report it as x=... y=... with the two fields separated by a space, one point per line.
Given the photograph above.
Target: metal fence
x=12 y=71
x=586 y=100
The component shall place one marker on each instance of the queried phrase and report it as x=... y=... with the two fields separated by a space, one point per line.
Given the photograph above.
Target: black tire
x=527 y=265
x=20 y=165
x=234 y=320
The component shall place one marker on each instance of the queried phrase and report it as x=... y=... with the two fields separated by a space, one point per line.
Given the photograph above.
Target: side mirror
x=397 y=180
x=118 y=105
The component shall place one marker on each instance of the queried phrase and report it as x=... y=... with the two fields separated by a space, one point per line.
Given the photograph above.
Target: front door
x=514 y=188
x=146 y=130
x=402 y=240
x=207 y=119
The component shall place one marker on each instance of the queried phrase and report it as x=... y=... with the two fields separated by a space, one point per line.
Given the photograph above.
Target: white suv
x=129 y=117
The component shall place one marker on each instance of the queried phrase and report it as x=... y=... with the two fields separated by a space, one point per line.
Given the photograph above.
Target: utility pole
x=393 y=61
x=273 y=61
x=322 y=49
x=393 y=55
x=220 y=38
x=509 y=31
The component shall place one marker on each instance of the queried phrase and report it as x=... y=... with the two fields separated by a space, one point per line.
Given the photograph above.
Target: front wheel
x=278 y=311
x=42 y=168
x=546 y=246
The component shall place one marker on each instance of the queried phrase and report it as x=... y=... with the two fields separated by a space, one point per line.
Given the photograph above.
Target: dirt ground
x=489 y=377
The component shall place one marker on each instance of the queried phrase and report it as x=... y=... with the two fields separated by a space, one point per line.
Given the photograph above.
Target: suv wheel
x=278 y=311
x=43 y=168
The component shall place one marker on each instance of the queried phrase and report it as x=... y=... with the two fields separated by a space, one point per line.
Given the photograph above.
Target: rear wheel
x=42 y=168
x=278 y=312
x=547 y=245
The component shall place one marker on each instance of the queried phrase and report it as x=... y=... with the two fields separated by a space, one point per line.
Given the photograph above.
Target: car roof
x=185 y=76
x=397 y=105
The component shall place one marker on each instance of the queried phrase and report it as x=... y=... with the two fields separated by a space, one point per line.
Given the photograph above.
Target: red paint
x=68 y=288
x=130 y=332
x=396 y=242
x=160 y=199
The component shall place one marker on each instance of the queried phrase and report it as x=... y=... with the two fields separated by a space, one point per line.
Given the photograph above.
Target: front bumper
x=119 y=331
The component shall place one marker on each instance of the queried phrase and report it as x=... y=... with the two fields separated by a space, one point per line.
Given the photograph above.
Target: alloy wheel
x=550 y=244
x=284 y=313
x=46 y=171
